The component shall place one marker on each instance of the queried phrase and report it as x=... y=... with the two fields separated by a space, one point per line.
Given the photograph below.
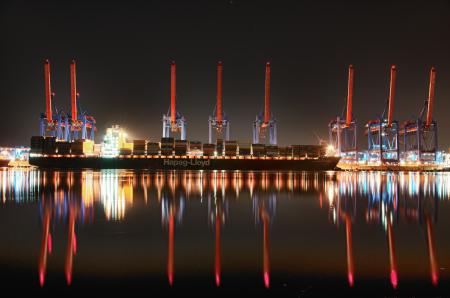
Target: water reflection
x=217 y=216
x=382 y=199
x=172 y=209
x=67 y=201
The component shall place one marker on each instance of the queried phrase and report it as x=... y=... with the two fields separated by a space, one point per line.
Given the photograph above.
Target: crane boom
x=431 y=96
x=73 y=90
x=173 y=92
x=219 y=92
x=349 y=96
x=48 y=90
x=267 y=95
x=391 y=94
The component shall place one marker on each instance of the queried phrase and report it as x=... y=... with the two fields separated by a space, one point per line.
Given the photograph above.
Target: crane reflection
x=218 y=212
x=264 y=209
x=62 y=200
x=172 y=209
x=383 y=199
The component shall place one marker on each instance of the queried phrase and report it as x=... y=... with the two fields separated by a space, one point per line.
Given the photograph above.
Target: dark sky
x=123 y=50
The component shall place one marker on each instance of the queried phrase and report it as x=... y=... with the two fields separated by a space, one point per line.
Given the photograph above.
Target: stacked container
x=195 y=148
x=258 y=150
x=37 y=144
x=152 y=148
x=139 y=147
x=231 y=148
x=219 y=147
x=285 y=151
x=209 y=149
x=63 y=148
x=82 y=147
x=167 y=146
x=272 y=151
x=125 y=151
x=49 y=146
x=306 y=150
x=77 y=147
x=244 y=148
x=181 y=147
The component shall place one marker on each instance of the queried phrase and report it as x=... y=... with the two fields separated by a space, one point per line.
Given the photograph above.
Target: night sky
x=124 y=48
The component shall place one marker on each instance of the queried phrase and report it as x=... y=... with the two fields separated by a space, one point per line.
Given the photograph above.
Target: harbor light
x=330 y=150
x=115 y=139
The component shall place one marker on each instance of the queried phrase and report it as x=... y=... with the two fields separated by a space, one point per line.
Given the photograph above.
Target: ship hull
x=174 y=163
x=4 y=162
x=393 y=167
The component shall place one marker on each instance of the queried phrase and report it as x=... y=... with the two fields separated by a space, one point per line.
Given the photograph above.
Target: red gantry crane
x=383 y=133
x=79 y=119
x=420 y=138
x=173 y=121
x=265 y=121
x=218 y=121
x=342 y=132
x=52 y=121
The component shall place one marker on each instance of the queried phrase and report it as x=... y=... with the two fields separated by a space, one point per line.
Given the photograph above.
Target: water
x=266 y=233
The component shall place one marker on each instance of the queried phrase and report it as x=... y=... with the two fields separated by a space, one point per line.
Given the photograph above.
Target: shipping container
x=63 y=148
x=167 y=146
x=195 y=145
x=181 y=147
x=244 y=148
x=219 y=147
x=82 y=147
x=36 y=144
x=284 y=151
x=167 y=142
x=272 y=151
x=195 y=148
x=231 y=148
x=167 y=151
x=307 y=150
x=125 y=151
x=258 y=150
x=209 y=149
x=152 y=148
x=97 y=149
x=49 y=146
x=139 y=146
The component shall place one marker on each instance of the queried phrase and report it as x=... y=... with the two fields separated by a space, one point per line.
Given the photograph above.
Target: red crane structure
x=342 y=131
x=420 y=138
x=265 y=120
x=52 y=121
x=383 y=133
x=218 y=121
x=173 y=121
x=79 y=120
x=76 y=211
x=57 y=123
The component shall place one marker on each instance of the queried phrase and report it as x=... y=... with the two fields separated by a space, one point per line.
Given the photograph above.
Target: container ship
x=171 y=154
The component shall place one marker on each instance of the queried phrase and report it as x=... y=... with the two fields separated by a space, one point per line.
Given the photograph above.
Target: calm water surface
x=267 y=233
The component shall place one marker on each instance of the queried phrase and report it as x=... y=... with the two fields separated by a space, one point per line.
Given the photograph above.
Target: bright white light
x=114 y=139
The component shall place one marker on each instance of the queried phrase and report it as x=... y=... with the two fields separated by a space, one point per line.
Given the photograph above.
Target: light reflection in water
x=388 y=199
x=116 y=193
x=217 y=215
